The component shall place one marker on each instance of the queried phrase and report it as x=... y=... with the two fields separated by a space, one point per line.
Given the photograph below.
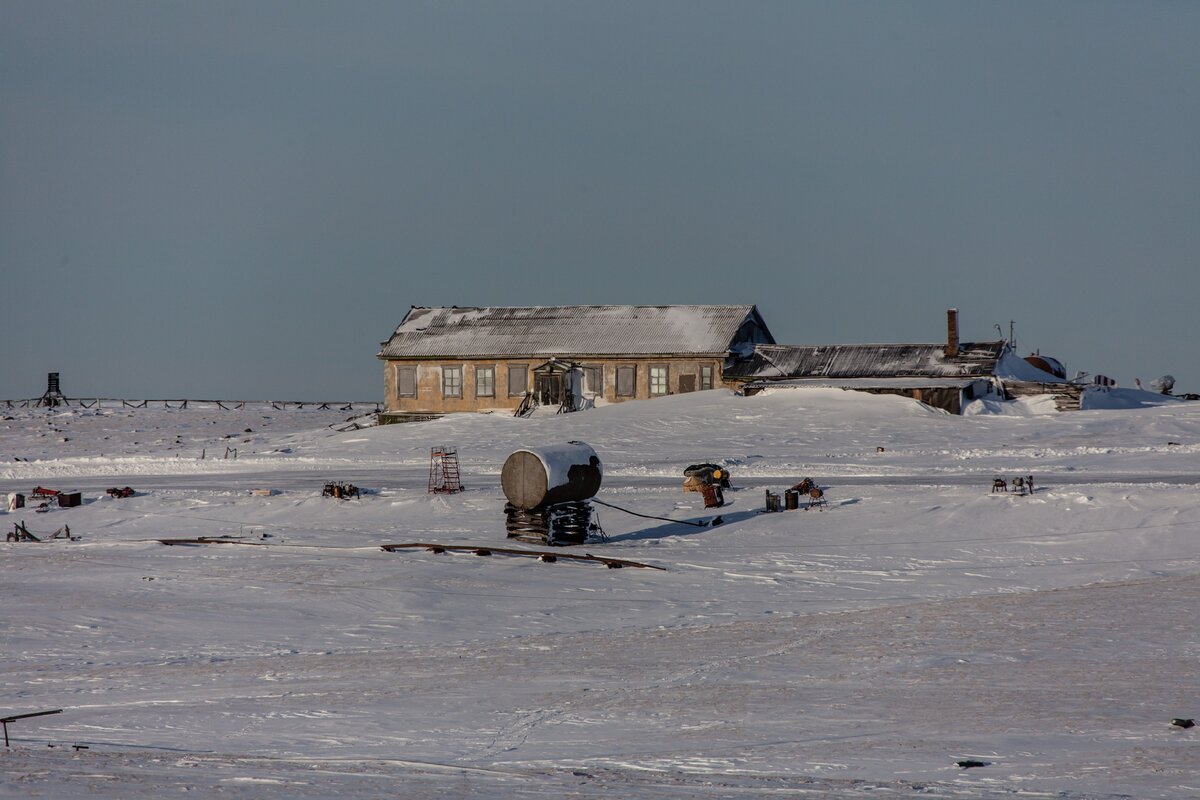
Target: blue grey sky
x=242 y=199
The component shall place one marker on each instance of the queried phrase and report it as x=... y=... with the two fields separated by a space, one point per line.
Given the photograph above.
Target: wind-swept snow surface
x=860 y=651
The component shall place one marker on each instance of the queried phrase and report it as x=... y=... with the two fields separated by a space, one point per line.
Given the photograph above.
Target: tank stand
x=556 y=524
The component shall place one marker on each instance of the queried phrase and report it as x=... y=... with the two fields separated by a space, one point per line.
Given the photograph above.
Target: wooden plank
x=510 y=551
x=33 y=714
x=207 y=540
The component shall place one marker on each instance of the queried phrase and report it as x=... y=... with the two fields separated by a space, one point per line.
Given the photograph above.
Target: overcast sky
x=242 y=200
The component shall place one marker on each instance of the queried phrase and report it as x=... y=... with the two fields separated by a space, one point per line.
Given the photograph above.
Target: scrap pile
x=709 y=480
x=341 y=491
x=65 y=499
x=20 y=533
x=791 y=497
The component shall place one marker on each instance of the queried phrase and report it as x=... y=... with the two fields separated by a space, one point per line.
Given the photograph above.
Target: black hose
x=648 y=516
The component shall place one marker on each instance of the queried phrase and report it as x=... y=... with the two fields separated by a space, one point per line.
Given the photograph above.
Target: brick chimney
x=952 y=333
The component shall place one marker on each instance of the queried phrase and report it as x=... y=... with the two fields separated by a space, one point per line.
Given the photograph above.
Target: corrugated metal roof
x=914 y=382
x=974 y=359
x=568 y=331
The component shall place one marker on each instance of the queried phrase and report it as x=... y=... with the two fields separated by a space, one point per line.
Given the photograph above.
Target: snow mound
x=1022 y=407
x=1112 y=398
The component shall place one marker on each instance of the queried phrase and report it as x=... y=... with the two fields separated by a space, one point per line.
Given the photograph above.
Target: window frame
x=630 y=369
x=409 y=369
x=524 y=370
x=449 y=370
x=598 y=371
x=665 y=379
x=706 y=377
x=489 y=369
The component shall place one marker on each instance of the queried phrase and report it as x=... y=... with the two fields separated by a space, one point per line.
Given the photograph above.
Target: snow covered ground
x=860 y=651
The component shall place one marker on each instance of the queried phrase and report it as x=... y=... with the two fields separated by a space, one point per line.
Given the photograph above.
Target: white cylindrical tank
x=542 y=476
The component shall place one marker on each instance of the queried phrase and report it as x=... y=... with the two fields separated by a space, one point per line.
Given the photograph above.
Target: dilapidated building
x=443 y=360
x=945 y=375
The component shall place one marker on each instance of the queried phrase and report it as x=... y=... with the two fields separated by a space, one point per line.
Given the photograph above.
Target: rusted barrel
x=541 y=476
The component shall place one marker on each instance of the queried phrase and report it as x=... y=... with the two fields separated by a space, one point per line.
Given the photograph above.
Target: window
x=406 y=381
x=518 y=380
x=593 y=380
x=451 y=381
x=706 y=378
x=485 y=381
x=658 y=381
x=626 y=381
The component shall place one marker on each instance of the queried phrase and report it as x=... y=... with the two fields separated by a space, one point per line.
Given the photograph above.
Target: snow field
x=856 y=651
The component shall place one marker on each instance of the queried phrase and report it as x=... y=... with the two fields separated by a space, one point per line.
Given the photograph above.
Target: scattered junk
x=1163 y=385
x=970 y=762
x=544 y=556
x=264 y=492
x=341 y=491
x=126 y=491
x=16 y=500
x=20 y=533
x=64 y=499
x=548 y=489
x=713 y=498
x=444 y=475
x=805 y=486
x=816 y=498
x=709 y=480
x=710 y=473
x=70 y=499
x=790 y=501
x=1021 y=485
x=14 y=717
x=1183 y=723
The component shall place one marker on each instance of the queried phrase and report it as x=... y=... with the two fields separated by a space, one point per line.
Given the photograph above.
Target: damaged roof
x=778 y=362
x=468 y=332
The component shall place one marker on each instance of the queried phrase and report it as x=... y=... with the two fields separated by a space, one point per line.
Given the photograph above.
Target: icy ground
x=860 y=651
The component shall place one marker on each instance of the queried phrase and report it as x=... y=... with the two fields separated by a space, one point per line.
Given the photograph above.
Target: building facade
x=449 y=360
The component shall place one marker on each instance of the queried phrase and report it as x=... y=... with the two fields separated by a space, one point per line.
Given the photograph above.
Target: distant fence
x=226 y=405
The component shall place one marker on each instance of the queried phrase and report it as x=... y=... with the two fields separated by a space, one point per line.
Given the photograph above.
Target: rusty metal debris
x=20 y=533
x=341 y=491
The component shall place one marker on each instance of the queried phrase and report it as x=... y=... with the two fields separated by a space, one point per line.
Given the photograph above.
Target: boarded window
x=626 y=381
x=706 y=378
x=406 y=381
x=687 y=383
x=593 y=380
x=518 y=380
x=659 y=383
x=451 y=381
x=485 y=381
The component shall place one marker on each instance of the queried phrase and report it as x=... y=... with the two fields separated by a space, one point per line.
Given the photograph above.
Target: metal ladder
x=444 y=476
